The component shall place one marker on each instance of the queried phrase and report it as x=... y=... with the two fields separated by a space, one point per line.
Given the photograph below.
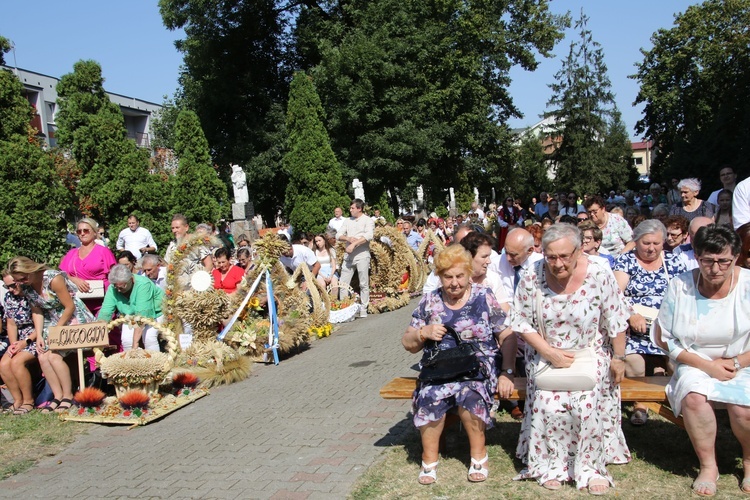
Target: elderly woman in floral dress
x=474 y=313
x=571 y=435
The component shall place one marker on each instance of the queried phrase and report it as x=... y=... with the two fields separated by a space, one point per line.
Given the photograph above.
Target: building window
x=637 y=161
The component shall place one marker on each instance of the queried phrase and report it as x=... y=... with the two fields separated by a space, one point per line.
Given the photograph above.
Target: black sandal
x=60 y=408
x=23 y=410
x=49 y=408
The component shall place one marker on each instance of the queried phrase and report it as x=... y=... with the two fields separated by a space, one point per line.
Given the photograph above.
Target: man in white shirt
x=357 y=232
x=476 y=210
x=152 y=268
x=519 y=255
x=296 y=255
x=136 y=239
x=741 y=204
x=338 y=220
x=728 y=181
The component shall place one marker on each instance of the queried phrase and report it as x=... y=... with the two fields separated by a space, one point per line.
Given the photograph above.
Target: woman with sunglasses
x=53 y=301
x=21 y=350
x=88 y=263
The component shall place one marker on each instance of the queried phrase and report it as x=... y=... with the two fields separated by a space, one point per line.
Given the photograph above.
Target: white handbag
x=96 y=290
x=580 y=376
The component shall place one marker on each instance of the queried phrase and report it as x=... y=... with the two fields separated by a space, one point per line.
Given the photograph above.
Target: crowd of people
x=652 y=283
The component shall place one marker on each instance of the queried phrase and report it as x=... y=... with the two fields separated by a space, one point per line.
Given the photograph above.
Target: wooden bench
x=649 y=391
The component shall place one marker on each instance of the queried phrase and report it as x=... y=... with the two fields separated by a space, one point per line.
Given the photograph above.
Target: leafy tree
x=197 y=191
x=5 y=47
x=235 y=79
x=530 y=173
x=583 y=105
x=315 y=186
x=32 y=197
x=163 y=125
x=695 y=84
x=115 y=178
x=417 y=91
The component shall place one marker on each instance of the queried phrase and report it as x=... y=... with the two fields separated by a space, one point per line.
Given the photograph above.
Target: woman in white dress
x=571 y=435
x=704 y=324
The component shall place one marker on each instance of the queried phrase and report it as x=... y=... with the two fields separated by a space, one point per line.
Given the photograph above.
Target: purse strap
x=664 y=266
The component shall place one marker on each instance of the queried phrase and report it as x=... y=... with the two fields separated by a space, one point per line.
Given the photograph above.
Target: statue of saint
x=239 y=183
x=359 y=191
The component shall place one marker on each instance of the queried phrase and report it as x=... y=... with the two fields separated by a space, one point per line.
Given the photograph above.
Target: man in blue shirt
x=412 y=237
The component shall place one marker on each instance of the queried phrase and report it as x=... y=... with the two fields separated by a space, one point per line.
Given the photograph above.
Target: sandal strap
x=474 y=461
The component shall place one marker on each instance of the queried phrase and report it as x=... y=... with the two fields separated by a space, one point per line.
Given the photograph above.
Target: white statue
x=420 y=193
x=453 y=198
x=239 y=183
x=359 y=191
x=476 y=195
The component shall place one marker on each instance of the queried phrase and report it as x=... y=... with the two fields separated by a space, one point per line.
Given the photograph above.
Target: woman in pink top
x=89 y=262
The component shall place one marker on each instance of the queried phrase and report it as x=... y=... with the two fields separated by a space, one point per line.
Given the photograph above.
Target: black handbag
x=456 y=364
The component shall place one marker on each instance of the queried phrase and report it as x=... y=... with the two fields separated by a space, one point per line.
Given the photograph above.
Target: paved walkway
x=307 y=428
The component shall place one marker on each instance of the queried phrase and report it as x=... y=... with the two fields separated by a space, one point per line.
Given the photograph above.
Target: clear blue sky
x=138 y=57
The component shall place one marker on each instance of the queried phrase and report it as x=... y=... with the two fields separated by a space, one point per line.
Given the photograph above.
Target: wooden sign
x=78 y=336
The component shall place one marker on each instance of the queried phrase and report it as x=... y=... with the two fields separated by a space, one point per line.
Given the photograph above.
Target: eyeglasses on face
x=674 y=235
x=709 y=263
x=83 y=230
x=564 y=258
x=583 y=218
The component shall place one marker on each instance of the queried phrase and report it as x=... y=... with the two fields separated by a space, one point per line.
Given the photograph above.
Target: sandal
x=428 y=471
x=745 y=486
x=478 y=468
x=49 y=408
x=65 y=401
x=708 y=486
x=23 y=410
x=639 y=417
x=552 y=485
x=603 y=482
x=9 y=410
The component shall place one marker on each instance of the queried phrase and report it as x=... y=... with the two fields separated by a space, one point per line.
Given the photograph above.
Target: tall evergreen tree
x=197 y=191
x=32 y=196
x=115 y=176
x=531 y=165
x=315 y=186
x=583 y=105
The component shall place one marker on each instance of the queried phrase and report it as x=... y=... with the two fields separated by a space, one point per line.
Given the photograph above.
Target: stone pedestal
x=243 y=213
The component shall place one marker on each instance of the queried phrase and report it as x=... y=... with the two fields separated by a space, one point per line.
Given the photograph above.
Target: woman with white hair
x=134 y=295
x=691 y=206
x=643 y=275
x=565 y=303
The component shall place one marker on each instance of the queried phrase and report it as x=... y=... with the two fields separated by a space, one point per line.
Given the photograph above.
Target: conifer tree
x=197 y=192
x=315 y=185
x=583 y=105
x=32 y=197
x=115 y=174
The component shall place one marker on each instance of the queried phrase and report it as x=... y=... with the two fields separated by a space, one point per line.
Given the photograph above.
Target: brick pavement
x=305 y=429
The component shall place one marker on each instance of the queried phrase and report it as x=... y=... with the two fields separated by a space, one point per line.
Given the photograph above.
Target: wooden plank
x=646 y=389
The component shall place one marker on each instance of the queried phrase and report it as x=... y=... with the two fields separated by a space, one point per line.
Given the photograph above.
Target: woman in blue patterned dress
x=53 y=301
x=475 y=314
x=22 y=349
x=643 y=275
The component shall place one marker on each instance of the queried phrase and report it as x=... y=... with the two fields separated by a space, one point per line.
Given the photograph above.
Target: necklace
x=458 y=300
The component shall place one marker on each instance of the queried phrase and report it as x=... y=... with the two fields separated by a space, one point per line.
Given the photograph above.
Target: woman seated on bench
x=475 y=314
x=704 y=323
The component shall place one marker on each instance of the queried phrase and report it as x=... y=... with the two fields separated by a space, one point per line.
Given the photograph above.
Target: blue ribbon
x=236 y=315
x=273 y=332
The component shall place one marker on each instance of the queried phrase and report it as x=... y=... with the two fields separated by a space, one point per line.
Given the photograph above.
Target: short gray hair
x=151 y=259
x=661 y=208
x=691 y=183
x=120 y=274
x=649 y=226
x=559 y=231
x=204 y=228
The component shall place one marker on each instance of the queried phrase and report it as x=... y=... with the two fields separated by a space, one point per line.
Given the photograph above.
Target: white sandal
x=428 y=471
x=477 y=467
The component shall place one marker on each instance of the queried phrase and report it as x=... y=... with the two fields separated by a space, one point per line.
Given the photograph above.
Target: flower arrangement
x=136 y=369
x=134 y=402
x=89 y=397
x=185 y=383
x=321 y=331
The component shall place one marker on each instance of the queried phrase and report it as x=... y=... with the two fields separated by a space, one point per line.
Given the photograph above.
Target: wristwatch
x=619 y=358
x=737 y=366
x=508 y=372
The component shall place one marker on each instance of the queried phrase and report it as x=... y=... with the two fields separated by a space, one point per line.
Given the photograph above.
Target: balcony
x=141 y=140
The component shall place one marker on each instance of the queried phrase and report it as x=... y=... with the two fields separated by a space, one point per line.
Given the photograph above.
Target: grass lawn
x=664 y=466
x=24 y=439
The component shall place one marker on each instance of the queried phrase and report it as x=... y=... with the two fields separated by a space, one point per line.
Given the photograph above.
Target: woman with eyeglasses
x=89 y=263
x=617 y=235
x=563 y=303
x=53 y=300
x=704 y=325
x=21 y=351
x=677 y=232
x=591 y=241
x=643 y=275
